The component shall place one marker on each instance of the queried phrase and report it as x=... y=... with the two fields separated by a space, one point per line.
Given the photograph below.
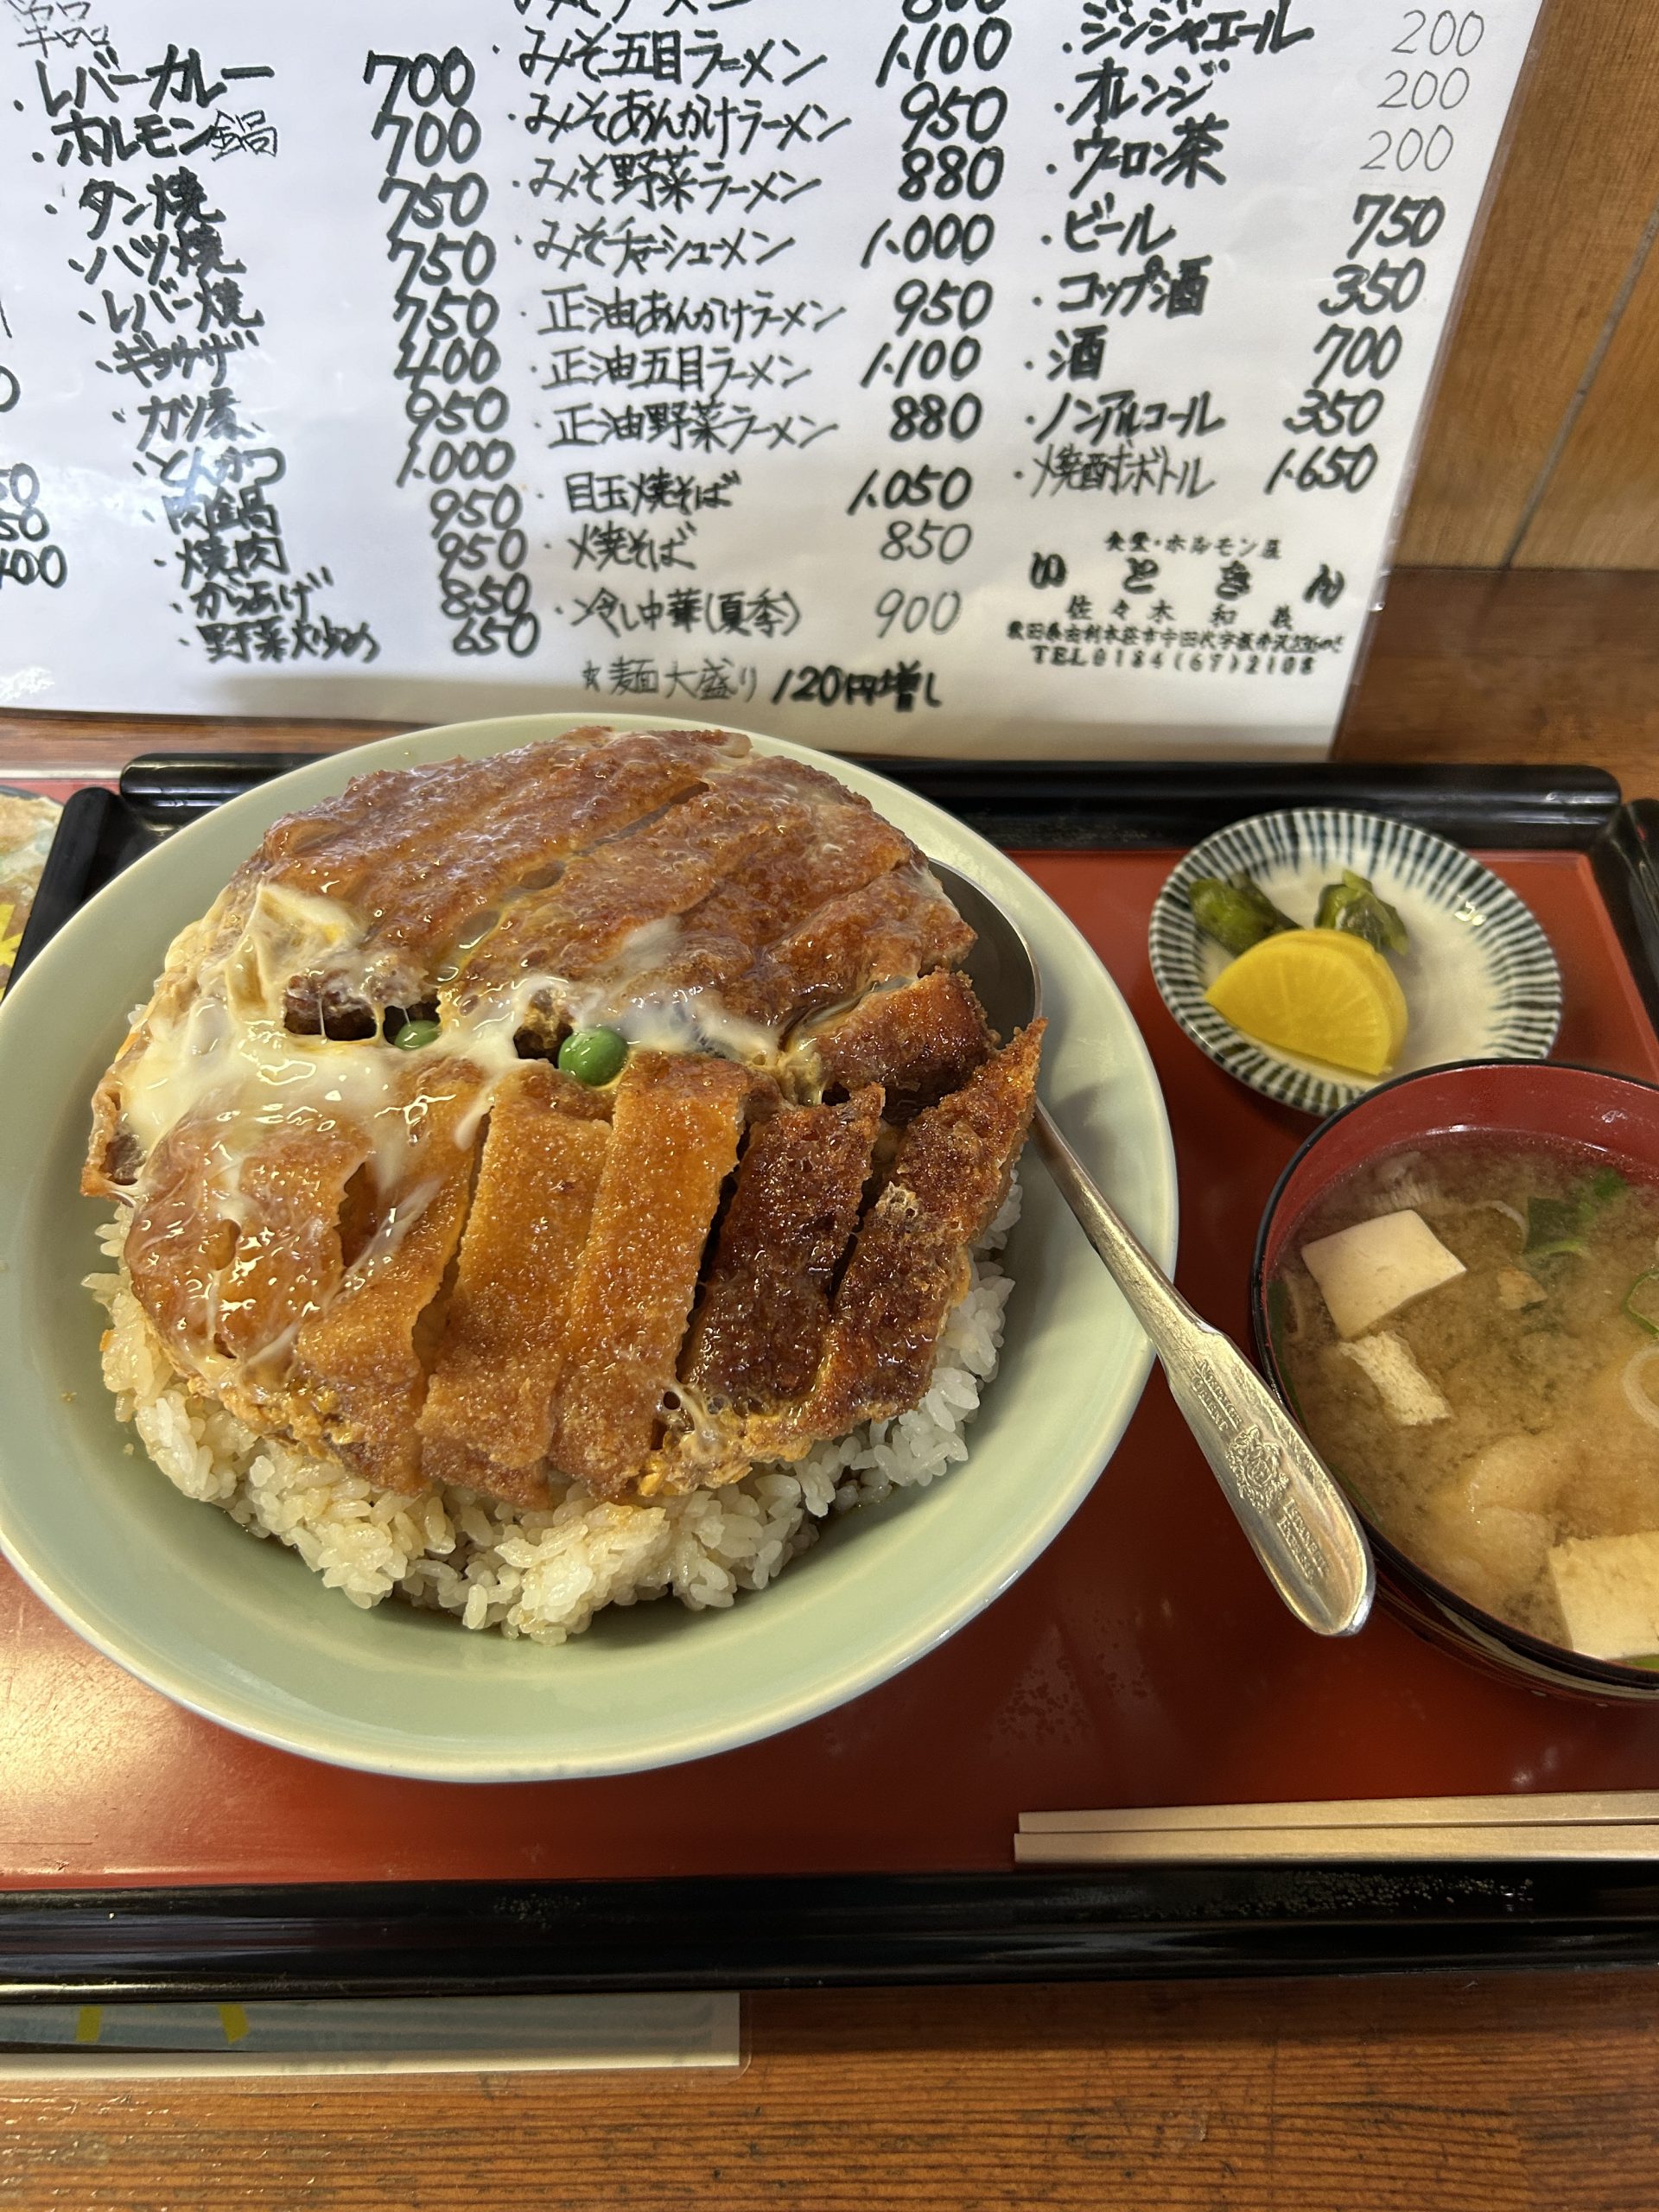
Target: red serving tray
x=1142 y=1661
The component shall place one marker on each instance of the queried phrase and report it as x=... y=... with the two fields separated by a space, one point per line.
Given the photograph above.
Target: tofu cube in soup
x=1406 y=1392
x=1369 y=1271
x=1608 y=1590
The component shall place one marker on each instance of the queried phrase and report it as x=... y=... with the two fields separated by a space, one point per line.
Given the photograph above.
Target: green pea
x=414 y=1034
x=594 y=1056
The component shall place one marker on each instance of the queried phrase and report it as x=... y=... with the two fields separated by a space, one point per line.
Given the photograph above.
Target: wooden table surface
x=1522 y=2095
x=1504 y=2093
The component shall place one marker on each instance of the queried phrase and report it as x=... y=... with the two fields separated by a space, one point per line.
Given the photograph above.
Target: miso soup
x=1472 y=1334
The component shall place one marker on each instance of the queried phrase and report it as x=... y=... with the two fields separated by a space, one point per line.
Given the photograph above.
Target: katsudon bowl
x=238 y=1630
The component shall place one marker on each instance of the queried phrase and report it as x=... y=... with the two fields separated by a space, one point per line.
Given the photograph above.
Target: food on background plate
x=1470 y=1333
x=28 y=824
x=1325 y=992
x=552 y=1180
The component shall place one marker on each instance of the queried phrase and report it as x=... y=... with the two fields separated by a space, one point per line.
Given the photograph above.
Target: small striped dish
x=1480 y=980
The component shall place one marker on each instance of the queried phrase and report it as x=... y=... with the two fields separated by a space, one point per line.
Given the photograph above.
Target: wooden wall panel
x=1516 y=664
x=1564 y=228
x=1600 y=507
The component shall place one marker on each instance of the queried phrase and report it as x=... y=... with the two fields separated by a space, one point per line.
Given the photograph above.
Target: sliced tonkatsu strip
x=900 y=925
x=116 y=1154
x=828 y=842
x=290 y=1189
x=919 y=1042
x=650 y=875
x=488 y=1412
x=909 y=1266
x=343 y=845
x=180 y=1238
x=384 y=829
x=759 y=1330
x=674 y=1141
x=358 y=1375
x=824 y=842
x=234 y=1243
x=419 y=861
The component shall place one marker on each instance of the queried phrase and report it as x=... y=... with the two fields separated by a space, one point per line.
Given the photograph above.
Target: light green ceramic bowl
x=241 y=1632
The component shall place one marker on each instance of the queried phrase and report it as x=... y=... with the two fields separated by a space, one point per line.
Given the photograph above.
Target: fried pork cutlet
x=288 y=1255
x=760 y=1325
x=673 y=1142
x=918 y=1042
x=488 y=1415
x=899 y=925
x=358 y=1377
x=179 y=1243
x=368 y=1214
x=909 y=1264
x=418 y=859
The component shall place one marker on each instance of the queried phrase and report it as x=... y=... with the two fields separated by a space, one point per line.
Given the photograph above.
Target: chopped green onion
x=414 y=1034
x=1553 y=1226
x=594 y=1056
x=1558 y=1225
x=1642 y=1302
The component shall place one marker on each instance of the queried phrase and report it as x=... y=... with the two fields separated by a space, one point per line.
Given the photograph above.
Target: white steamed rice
x=544 y=1574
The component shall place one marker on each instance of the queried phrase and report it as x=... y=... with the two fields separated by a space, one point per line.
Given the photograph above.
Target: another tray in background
x=1142 y=1661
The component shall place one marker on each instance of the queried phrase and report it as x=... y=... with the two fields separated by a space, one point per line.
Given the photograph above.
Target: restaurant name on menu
x=998 y=376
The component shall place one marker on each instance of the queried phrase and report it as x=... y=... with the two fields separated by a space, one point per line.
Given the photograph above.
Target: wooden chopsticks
x=1582 y=1824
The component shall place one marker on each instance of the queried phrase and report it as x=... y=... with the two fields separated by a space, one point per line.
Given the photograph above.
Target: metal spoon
x=1301 y=1526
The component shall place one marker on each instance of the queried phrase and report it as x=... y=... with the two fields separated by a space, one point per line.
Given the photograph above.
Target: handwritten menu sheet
x=956 y=376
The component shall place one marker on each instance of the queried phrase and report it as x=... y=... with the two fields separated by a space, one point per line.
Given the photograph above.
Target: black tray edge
x=439 y=1939
x=1058 y=803
x=1043 y=806
x=1626 y=864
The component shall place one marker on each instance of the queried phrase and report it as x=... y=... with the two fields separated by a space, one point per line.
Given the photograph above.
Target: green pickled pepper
x=1235 y=911
x=1353 y=904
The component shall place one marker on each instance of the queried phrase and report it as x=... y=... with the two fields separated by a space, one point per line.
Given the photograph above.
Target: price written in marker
x=1044 y=377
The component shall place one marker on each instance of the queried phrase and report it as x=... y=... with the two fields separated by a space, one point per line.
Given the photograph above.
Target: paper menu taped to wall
x=921 y=376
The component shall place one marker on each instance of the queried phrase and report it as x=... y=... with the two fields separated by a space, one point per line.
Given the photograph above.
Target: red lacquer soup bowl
x=1613 y=1114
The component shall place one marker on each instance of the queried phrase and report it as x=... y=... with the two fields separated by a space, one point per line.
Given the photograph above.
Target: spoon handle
x=1300 y=1525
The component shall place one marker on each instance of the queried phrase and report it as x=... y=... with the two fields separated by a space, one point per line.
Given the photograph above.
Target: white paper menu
x=1000 y=377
